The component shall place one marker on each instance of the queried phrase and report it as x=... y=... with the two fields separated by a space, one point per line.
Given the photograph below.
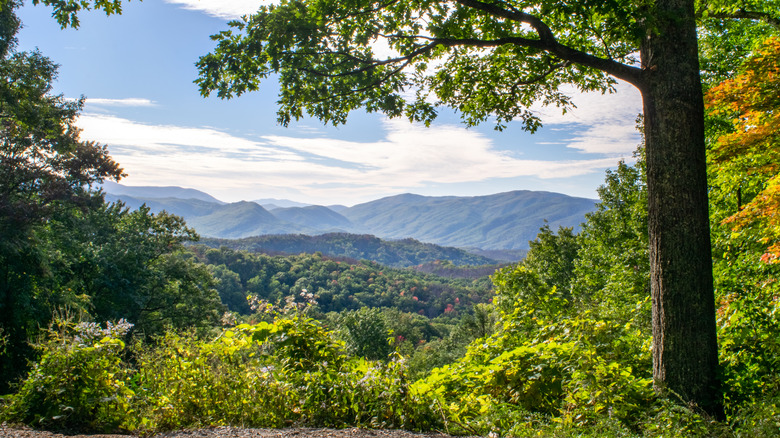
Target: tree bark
x=685 y=350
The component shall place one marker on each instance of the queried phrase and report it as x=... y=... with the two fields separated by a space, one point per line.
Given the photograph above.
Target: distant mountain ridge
x=503 y=221
x=147 y=192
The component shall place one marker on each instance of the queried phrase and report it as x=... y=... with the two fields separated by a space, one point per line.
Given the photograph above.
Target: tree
x=44 y=170
x=493 y=59
x=744 y=152
x=116 y=263
x=612 y=266
x=746 y=158
x=365 y=333
x=61 y=245
x=552 y=256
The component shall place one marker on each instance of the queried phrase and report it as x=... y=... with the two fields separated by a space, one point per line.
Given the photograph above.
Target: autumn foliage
x=751 y=150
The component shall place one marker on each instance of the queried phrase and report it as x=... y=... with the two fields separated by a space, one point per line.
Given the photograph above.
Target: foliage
x=558 y=362
x=552 y=257
x=445 y=268
x=365 y=333
x=393 y=253
x=746 y=158
x=557 y=353
x=61 y=245
x=493 y=60
x=484 y=60
x=124 y=264
x=338 y=284
x=744 y=152
x=730 y=33
x=570 y=352
x=80 y=381
x=45 y=171
x=66 y=12
x=290 y=371
x=612 y=268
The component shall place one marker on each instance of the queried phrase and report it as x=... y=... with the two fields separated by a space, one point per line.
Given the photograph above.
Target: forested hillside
x=337 y=284
x=395 y=253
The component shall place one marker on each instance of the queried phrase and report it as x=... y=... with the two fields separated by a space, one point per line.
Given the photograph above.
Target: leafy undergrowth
x=293 y=372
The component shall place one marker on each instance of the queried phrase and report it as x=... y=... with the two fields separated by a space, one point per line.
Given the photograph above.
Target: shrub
x=289 y=371
x=80 y=381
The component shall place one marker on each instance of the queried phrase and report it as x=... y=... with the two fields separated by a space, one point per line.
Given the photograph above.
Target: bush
x=80 y=382
x=288 y=372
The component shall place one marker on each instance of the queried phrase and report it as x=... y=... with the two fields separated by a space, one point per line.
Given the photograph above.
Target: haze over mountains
x=504 y=221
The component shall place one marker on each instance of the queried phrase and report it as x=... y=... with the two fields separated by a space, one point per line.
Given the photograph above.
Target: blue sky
x=137 y=70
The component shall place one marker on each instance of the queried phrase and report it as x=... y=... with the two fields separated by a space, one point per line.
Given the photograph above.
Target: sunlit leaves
x=407 y=58
x=272 y=374
x=752 y=150
x=66 y=12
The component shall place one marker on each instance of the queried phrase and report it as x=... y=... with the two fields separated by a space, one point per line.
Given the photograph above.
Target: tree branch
x=619 y=70
x=549 y=43
x=545 y=34
x=622 y=71
x=749 y=15
x=540 y=77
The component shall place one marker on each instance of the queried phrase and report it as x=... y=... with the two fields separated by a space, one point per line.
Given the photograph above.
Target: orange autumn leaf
x=751 y=100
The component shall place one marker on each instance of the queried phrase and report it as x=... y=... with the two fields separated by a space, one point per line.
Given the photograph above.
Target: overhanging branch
x=749 y=15
x=545 y=34
x=619 y=70
x=546 y=42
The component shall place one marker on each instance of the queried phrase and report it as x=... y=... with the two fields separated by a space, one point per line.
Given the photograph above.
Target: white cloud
x=412 y=155
x=127 y=102
x=618 y=137
x=229 y=9
x=409 y=156
x=163 y=139
x=603 y=123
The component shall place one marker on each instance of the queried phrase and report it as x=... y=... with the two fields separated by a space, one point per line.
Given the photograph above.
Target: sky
x=137 y=69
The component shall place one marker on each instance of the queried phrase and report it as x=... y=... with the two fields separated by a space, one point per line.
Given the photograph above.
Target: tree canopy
x=482 y=58
x=747 y=157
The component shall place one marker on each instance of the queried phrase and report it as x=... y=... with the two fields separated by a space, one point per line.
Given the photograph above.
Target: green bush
x=288 y=372
x=80 y=382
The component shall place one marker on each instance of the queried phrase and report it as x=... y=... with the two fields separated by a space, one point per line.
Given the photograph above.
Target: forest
x=395 y=253
x=116 y=319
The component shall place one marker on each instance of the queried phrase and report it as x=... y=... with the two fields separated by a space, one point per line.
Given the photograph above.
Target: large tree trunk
x=685 y=351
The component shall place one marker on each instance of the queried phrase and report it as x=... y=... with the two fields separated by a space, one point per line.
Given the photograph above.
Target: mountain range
x=504 y=221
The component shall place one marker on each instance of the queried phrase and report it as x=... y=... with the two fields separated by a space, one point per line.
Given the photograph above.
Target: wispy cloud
x=229 y=9
x=127 y=102
x=409 y=156
x=602 y=123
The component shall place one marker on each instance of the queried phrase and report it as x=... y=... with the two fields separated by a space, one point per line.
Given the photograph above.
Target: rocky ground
x=233 y=432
